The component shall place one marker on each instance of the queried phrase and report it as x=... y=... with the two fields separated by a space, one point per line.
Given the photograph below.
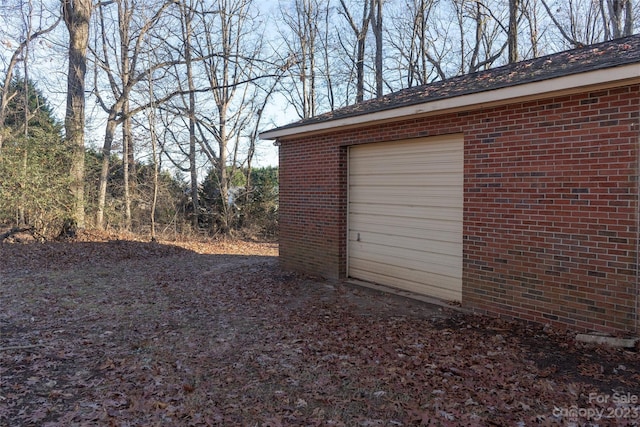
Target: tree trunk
x=376 y=14
x=153 y=136
x=77 y=14
x=615 y=9
x=620 y=17
x=126 y=170
x=22 y=220
x=156 y=171
x=124 y=22
x=360 y=63
x=530 y=13
x=193 y=169
x=513 y=31
x=628 y=22
x=104 y=171
x=222 y=171
x=361 y=38
x=22 y=217
x=479 y=30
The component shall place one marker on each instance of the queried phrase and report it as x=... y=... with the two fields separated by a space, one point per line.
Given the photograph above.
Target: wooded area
x=165 y=99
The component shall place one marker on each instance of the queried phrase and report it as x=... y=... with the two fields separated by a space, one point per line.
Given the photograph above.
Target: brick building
x=513 y=190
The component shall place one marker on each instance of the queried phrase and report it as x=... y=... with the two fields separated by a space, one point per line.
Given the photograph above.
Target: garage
x=513 y=190
x=405 y=215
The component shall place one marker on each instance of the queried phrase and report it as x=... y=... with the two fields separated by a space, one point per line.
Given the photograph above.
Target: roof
x=588 y=59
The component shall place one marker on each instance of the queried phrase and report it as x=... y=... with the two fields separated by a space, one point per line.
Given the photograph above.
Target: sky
x=50 y=77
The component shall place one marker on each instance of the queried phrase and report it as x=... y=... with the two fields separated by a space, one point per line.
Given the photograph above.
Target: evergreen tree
x=34 y=163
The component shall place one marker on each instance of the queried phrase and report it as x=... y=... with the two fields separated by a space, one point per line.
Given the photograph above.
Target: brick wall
x=312 y=210
x=550 y=205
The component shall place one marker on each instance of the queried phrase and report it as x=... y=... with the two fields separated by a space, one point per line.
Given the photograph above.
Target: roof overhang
x=565 y=85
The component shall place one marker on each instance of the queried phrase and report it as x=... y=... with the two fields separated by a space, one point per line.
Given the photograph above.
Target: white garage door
x=405 y=215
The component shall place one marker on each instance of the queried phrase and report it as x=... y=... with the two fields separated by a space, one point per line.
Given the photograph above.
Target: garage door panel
x=417 y=243
x=439 y=286
x=408 y=190
x=400 y=180
x=374 y=233
x=385 y=168
x=434 y=278
x=368 y=222
x=424 y=260
x=406 y=149
x=405 y=215
x=432 y=212
x=401 y=203
x=406 y=197
x=386 y=160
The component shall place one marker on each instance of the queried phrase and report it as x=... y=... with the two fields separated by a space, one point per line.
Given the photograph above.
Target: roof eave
x=602 y=78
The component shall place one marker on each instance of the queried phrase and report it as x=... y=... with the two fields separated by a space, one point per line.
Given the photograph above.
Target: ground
x=104 y=331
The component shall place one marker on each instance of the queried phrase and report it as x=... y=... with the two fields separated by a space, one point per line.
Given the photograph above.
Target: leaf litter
x=104 y=331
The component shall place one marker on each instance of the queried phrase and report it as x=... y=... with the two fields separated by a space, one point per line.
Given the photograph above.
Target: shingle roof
x=589 y=58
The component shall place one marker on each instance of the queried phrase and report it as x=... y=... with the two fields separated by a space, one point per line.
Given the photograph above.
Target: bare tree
x=28 y=18
x=415 y=38
x=327 y=41
x=300 y=36
x=231 y=53
x=155 y=157
x=437 y=39
x=253 y=135
x=512 y=34
x=488 y=27
x=29 y=32
x=531 y=15
x=120 y=42
x=582 y=22
x=187 y=12
x=204 y=57
x=377 y=29
x=360 y=31
x=620 y=20
x=77 y=15
x=575 y=23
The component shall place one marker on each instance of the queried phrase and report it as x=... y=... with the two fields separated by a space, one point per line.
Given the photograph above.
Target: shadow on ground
x=137 y=333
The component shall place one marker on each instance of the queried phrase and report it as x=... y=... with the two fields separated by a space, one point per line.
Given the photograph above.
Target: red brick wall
x=312 y=210
x=550 y=205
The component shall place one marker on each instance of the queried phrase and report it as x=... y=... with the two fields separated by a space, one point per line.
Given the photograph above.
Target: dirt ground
x=103 y=331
